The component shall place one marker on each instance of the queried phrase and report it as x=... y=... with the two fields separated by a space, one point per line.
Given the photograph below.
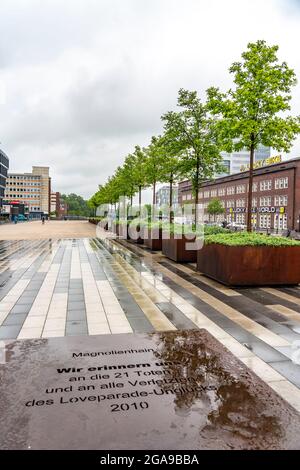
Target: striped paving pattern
x=91 y=286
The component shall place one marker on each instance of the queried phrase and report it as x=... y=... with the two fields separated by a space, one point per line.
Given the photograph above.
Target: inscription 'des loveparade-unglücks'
x=104 y=383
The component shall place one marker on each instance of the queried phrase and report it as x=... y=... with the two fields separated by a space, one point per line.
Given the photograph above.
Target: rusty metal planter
x=176 y=250
x=250 y=265
x=154 y=240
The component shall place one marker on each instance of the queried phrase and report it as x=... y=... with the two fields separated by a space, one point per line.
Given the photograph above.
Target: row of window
x=15 y=177
x=266 y=185
x=29 y=190
x=24 y=196
x=263 y=221
x=266 y=201
x=20 y=183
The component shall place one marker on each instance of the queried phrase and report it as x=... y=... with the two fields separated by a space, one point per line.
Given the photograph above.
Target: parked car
x=236 y=226
x=22 y=218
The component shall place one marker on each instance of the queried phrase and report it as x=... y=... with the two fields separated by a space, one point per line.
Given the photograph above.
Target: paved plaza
x=56 y=287
x=50 y=229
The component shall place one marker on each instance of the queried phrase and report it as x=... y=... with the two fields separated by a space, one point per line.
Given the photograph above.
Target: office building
x=4 y=166
x=234 y=162
x=163 y=196
x=31 y=189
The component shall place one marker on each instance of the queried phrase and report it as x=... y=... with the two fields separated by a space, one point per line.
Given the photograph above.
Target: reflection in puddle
x=239 y=408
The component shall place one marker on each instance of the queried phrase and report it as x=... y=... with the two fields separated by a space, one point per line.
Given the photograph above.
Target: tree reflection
x=236 y=404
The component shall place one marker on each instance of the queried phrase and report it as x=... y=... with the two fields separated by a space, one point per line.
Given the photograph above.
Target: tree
x=154 y=167
x=76 y=205
x=215 y=207
x=251 y=113
x=128 y=174
x=171 y=168
x=139 y=172
x=193 y=131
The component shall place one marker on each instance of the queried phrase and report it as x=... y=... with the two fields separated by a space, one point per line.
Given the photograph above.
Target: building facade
x=58 y=206
x=163 y=196
x=4 y=166
x=276 y=197
x=31 y=189
x=234 y=161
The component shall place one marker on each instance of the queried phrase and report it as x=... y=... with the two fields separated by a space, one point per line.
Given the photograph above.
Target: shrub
x=248 y=239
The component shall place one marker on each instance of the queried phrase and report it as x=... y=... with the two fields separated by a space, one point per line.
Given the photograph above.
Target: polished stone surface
x=173 y=390
x=77 y=287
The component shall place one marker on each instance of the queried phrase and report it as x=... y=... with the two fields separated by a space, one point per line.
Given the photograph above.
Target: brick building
x=58 y=206
x=276 y=196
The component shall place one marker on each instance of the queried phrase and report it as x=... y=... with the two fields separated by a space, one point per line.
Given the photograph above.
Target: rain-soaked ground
x=77 y=287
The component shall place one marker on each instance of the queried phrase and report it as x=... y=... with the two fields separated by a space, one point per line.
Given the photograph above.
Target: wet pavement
x=167 y=390
x=78 y=287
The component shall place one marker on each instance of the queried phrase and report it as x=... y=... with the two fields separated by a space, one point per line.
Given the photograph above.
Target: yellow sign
x=282 y=210
x=262 y=163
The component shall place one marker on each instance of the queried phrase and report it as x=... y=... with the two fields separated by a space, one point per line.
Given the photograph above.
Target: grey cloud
x=87 y=80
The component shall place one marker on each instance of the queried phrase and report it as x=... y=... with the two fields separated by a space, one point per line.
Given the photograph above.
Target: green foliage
x=77 y=205
x=249 y=239
x=192 y=131
x=215 y=207
x=249 y=112
x=252 y=113
x=214 y=230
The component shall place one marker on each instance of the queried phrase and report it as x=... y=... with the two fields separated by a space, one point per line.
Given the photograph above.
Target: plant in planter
x=179 y=242
x=136 y=230
x=153 y=236
x=250 y=259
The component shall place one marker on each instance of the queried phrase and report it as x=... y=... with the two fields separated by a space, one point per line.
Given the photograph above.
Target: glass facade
x=233 y=162
x=4 y=166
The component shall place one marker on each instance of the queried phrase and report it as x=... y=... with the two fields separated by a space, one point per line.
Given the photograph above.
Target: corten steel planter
x=176 y=250
x=140 y=239
x=250 y=265
x=154 y=240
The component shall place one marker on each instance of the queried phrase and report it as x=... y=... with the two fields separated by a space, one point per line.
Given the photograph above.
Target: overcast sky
x=84 y=81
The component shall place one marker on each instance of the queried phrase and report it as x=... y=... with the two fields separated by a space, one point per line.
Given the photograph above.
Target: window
x=201 y=195
x=206 y=194
x=281 y=201
x=282 y=183
x=230 y=204
x=254 y=202
x=241 y=203
x=254 y=187
x=280 y=221
x=184 y=197
x=222 y=192
x=265 y=201
x=265 y=221
x=266 y=185
x=240 y=218
x=230 y=190
x=213 y=193
x=241 y=189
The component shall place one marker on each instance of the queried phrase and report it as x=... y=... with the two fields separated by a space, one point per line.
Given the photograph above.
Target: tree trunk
x=197 y=192
x=171 y=201
x=140 y=201
x=154 y=200
x=250 y=193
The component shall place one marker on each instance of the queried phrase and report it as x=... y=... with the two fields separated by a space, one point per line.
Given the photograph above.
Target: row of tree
x=252 y=113
x=77 y=205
